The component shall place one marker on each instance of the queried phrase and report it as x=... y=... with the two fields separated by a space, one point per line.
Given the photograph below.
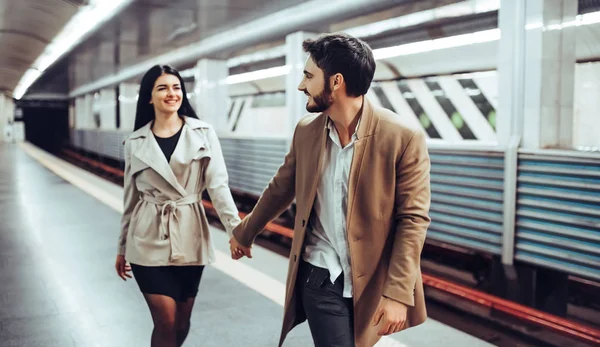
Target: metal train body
x=542 y=205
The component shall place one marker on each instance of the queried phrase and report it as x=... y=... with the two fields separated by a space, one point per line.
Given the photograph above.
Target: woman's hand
x=122 y=267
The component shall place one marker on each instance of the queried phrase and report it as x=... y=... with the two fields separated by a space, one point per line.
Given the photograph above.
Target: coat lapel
x=317 y=151
x=150 y=153
x=191 y=145
x=366 y=129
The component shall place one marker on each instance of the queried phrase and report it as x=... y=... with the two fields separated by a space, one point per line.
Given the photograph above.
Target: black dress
x=178 y=282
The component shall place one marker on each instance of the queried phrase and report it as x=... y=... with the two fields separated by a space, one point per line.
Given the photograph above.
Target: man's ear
x=336 y=81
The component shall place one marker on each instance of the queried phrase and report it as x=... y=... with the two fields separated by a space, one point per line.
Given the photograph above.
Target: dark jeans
x=330 y=315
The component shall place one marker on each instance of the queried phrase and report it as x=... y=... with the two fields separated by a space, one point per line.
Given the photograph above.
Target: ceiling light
x=86 y=20
x=258 y=75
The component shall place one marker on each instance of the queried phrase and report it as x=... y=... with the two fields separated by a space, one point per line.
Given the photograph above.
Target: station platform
x=58 y=232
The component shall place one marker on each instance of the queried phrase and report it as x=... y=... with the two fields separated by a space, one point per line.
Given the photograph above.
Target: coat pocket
x=145 y=224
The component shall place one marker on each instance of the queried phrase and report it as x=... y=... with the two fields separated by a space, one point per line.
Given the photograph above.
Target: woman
x=170 y=158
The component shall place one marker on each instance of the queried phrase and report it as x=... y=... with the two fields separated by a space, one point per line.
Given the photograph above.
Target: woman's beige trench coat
x=164 y=222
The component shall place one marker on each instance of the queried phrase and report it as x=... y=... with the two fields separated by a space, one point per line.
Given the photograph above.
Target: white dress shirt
x=326 y=238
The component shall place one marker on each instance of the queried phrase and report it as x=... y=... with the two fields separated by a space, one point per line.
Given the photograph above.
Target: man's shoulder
x=395 y=124
x=309 y=123
x=310 y=119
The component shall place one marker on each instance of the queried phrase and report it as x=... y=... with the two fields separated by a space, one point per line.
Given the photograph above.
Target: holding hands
x=237 y=250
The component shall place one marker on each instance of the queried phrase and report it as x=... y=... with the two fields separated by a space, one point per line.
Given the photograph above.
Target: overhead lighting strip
x=465 y=8
x=455 y=10
x=85 y=21
x=437 y=44
x=258 y=75
x=444 y=43
x=383 y=53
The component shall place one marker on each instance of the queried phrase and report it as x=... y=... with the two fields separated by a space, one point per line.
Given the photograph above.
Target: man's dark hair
x=344 y=54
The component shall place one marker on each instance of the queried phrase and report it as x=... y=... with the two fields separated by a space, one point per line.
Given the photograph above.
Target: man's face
x=316 y=87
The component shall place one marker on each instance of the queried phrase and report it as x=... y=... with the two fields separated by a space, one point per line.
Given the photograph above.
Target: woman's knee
x=166 y=327
x=183 y=325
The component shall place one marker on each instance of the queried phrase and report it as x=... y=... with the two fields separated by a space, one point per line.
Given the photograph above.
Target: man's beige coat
x=163 y=221
x=388 y=213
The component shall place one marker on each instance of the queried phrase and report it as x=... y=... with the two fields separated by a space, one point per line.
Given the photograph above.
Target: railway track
x=490 y=318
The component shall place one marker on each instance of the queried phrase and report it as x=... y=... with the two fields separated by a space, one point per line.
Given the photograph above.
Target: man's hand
x=392 y=316
x=237 y=250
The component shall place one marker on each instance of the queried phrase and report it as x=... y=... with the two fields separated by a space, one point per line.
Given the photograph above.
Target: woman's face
x=166 y=94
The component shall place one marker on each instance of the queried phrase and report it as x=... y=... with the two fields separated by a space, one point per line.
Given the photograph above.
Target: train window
x=269 y=100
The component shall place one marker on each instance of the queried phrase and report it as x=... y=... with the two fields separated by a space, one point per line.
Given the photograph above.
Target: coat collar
x=146 y=130
x=191 y=145
x=367 y=123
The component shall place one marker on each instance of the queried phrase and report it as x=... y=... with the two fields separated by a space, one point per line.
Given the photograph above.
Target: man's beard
x=321 y=102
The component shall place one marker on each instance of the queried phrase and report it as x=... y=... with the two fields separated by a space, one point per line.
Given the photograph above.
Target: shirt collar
x=331 y=127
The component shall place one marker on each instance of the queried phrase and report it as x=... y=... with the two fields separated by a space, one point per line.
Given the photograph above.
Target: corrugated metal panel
x=467 y=198
x=251 y=163
x=558 y=212
x=111 y=144
x=106 y=143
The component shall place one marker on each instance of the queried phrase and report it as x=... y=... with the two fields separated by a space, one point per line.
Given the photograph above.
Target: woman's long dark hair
x=144 y=112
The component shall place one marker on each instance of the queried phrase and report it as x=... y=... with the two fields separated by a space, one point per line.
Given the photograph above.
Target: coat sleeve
x=217 y=185
x=413 y=198
x=131 y=197
x=276 y=198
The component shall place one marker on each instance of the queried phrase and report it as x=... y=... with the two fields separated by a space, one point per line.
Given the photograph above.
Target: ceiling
x=26 y=28
x=149 y=28
x=145 y=29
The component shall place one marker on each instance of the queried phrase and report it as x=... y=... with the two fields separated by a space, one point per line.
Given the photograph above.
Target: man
x=360 y=177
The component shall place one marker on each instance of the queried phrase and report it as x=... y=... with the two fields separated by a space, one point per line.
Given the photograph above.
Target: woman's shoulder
x=196 y=123
x=204 y=130
x=138 y=134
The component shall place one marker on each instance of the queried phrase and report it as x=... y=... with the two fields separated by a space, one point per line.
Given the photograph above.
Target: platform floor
x=58 y=287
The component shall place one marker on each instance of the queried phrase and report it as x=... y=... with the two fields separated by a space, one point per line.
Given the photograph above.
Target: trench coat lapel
x=316 y=150
x=150 y=153
x=192 y=145
x=359 y=167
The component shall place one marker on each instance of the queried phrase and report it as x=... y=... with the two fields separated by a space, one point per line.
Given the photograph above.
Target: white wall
x=106 y=107
x=83 y=112
x=127 y=103
x=586 y=116
x=6 y=116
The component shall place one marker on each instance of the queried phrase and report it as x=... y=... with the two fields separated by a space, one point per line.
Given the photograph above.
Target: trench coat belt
x=169 y=223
